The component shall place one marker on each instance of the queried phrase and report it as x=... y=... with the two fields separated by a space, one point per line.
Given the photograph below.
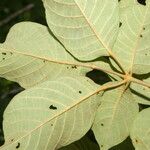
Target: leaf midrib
x=80 y=64
x=93 y=29
x=115 y=107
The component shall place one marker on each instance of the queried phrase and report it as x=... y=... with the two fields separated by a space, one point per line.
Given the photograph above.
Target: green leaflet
x=83 y=144
x=50 y=115
x=127 y=3
x=30 y=55
x=84 y=27
x=141 y=130
x=141 y=94
x=114 y=117
x=132 y=45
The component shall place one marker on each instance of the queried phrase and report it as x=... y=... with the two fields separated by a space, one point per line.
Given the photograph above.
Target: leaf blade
x=83 y=32
x=30 y=55
x=114 y=118
x=132 y=46
x=60 y=93
x=141 y=94
x=140 y=134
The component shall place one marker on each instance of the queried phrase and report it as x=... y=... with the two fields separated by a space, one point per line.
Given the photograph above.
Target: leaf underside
x=42 y=116
x=60 y=104
x=114 y=117
x=140 y=133
x=82 y=25
x=30 y=55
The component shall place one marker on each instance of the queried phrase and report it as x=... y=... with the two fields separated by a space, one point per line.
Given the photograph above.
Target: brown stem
x=87 y=65
x=140 y=82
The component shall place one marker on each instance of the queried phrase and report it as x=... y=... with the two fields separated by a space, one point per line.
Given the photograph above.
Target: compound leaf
x=59 y=111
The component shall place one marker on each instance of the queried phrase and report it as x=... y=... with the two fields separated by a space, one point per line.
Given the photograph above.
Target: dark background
x=12 y=12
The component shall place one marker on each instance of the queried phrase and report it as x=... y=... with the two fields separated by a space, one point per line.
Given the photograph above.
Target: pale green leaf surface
x=87 y=28
x=141 y=94
x=140 y=133
x=28 y=119
x=127 y=3
x=83 y=144
x=132 y=47
x=114 y=117
x=30 y=55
